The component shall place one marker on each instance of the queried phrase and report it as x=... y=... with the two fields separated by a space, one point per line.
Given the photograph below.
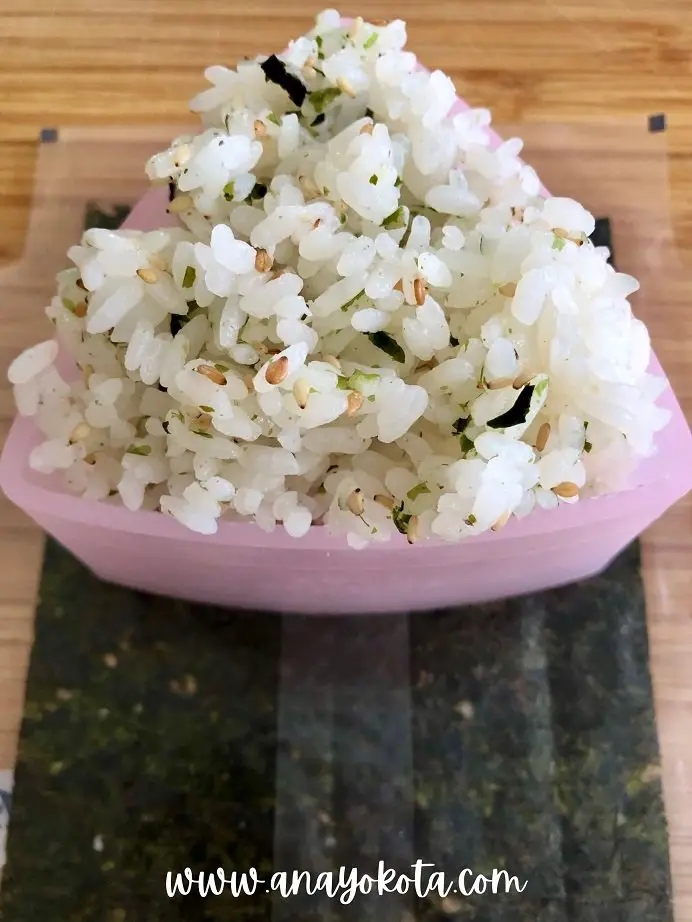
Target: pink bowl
x=243 y=567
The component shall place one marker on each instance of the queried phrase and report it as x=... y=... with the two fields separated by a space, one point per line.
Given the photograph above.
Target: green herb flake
x=178 y=415
x=465 y=443
x=274 y=119
x=320 y=99
x=387 y=344
x=396 y=220
x=419 y=490
x=401 y=519
x=345 y=307
x=228 y=191
x=559 y=243
x=319 y=41
x=206 y=409
x=219 y=366
x=397 y=182
x=407 y=233
x=371 y=398
x=587 y=447
x=143 y=450
x=373 y=179
x=369 y=42
x=373 y=530
x=189 y=277
x=69 y=305
x=205 y=435
x=471 y=519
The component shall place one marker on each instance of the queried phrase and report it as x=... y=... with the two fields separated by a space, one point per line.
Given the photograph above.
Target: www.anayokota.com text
x=344 y=884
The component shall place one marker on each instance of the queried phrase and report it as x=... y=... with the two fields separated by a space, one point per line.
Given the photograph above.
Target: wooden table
x=91 y=62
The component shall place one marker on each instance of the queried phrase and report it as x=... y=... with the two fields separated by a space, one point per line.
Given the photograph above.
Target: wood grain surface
x=136 y=62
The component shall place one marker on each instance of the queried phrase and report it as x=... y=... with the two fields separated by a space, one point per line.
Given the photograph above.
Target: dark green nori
x=516 y=414
x=171 y=190
x=602 y=236
x=275 y=72
x=387 y=344
x=460 y=425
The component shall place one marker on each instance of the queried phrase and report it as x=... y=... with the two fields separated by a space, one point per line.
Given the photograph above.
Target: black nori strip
x=259 y=190
x=603 y=237
x=275 y=72
x=177 y=323
x=453 y=341
x=460 y=425
x=171 y=190
x=387 y=344
x=318 y=120
x=516 y=414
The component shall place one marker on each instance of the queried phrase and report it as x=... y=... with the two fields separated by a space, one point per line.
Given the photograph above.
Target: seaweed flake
x=517 y=413
x=387 y=344
x=275 y=72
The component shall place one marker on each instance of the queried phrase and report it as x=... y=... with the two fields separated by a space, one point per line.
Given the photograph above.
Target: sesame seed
x=355 y=26
x=543 y=436
x=263 y=261
x=333 y=361
x=566 y=489
x=419 y=291
x=317 y=223
x=355 y=402
x=180 y=204
x=508 y=290
x=399 y=286
x=301 y=392
x=182 y=155
x=501 y=522
x=384 y=500
x=522 y=380
x=80 y=432
x=499 y=383
x=80 y=309
x=346 y=87
x=148 y=275
x=412 y=530
x=208 y=371
x=277 y=370
x=157 y=262
x=355 y=502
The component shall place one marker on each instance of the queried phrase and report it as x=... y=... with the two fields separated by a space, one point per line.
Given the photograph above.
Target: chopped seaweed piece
x=516 y=414
x=275 y=72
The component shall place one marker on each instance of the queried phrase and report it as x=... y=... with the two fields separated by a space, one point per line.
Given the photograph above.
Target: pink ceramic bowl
x=243 y=567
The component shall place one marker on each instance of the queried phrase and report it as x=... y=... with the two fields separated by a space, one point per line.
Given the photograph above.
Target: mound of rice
x=369 y=318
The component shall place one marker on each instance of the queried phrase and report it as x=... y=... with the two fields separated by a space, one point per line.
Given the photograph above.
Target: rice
x=368 y=318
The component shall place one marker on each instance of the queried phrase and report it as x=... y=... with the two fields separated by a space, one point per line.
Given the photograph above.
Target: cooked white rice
x=368 y=318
